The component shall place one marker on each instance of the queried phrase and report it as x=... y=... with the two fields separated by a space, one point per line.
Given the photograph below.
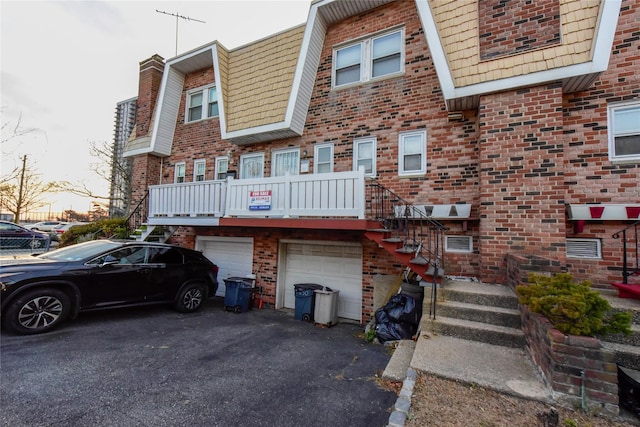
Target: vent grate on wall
x=584 y=248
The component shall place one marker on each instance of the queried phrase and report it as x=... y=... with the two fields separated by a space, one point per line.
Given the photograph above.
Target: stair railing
x=418 y=231
x=622 y=234
x=138 y=216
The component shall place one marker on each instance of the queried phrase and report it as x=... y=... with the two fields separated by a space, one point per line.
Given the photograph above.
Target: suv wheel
x=37 y=311
x=190 y=298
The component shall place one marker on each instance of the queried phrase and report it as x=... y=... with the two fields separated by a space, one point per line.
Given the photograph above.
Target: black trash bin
x=305 y=300
x=237 y=295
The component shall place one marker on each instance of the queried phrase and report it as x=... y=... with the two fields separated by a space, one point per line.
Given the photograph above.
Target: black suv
x=38 y=293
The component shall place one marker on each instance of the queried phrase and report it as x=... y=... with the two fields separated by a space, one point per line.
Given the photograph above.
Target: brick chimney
x=149 y=84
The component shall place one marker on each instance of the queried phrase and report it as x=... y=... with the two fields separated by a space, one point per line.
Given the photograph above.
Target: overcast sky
x=66 y=64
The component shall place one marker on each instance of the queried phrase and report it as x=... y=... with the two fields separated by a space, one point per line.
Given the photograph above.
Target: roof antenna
x=186 y=18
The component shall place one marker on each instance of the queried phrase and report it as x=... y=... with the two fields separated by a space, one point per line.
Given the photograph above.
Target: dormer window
x=202 y=103
x=369 y=59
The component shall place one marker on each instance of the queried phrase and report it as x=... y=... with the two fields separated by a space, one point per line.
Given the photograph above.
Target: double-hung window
x=180 y=172
x=285 y=162
x=252 y=166
x=202 y=103
x=222 y=167
x=624 y=132
x=364 y=155
x=199 y=168
x=371 y=58
x=323 y=158
x=412 y=153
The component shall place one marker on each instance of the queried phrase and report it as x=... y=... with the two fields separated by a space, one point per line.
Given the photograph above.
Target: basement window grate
x=584 y=248
x=458 y=244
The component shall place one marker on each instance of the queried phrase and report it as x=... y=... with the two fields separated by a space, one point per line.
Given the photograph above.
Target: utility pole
x=186 y=18
x=21 y=189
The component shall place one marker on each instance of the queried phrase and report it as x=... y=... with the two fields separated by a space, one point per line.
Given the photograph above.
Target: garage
x=232 y=255
x=337 y=265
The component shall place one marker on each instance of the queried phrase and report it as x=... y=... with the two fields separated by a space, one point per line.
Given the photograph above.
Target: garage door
x=234 y=256
x=336 y=266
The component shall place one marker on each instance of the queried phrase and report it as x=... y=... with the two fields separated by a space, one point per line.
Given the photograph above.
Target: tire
x=190 y=298
x=36 y=244
x=306 y=317
x=37 y=311
x=237 y=309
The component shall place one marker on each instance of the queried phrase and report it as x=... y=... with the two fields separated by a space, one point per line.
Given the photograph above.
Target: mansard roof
x=264 y=88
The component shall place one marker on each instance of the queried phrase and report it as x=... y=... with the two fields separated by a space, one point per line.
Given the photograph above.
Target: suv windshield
x=80 y=251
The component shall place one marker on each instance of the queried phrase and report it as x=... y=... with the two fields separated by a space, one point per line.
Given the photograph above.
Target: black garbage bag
x=392 y=331
x=402 y=308
x=398 y=319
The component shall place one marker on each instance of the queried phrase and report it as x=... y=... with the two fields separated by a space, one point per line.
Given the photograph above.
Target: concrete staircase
x=477 y=312
x=626 y=348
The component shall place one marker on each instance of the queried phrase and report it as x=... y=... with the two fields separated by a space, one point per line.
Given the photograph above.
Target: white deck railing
x=189 y=199
x=339 y=194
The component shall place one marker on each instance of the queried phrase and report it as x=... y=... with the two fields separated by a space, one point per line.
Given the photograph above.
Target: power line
x=186 y=18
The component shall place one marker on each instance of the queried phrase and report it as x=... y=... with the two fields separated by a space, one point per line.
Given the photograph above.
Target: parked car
x=62 y=228
x=44 y=225
x=14 y=236
x=38 y=293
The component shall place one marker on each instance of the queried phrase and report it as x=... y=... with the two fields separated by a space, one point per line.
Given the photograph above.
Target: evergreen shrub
x=573 y=308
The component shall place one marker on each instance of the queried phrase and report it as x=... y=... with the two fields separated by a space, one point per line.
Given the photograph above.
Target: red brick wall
x=590 y=176
x=508 y=27
x=148 y=86
x=522 y=183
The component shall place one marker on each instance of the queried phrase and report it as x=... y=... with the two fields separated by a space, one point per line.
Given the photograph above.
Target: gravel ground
x=441 y=402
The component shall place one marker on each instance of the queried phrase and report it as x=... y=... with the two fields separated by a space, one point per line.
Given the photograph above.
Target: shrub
x=573 y=308
x=107 y=228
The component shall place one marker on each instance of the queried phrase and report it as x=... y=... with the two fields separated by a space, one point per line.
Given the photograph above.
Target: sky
x=64 y=65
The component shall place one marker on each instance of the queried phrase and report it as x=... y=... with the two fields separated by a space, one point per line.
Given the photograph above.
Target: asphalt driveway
x=156 y=367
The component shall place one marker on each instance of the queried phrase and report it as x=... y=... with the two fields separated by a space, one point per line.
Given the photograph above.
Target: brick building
x=470 y=130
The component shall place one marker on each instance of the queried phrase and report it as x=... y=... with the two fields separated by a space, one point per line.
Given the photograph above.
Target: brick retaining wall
x=568 y=363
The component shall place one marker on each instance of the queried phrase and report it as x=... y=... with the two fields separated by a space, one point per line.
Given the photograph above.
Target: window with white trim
x=624 y=132
x=285 y=162
x=202 y=103
x=199 y=168
x=584 y=248
x=412 y=153
x=252 y=166
x=222 y=166
x=371 y=58
x=180 y=172
x=462 y=244
x=323 y=158
x=364 y=155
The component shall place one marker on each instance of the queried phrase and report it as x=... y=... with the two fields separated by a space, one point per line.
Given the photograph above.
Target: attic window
x=375 y=57
x=202 y=103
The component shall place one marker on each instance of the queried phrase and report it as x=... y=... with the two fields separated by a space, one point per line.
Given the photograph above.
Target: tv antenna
x=186 y=18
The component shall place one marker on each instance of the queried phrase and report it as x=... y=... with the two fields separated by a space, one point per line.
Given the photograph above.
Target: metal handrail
x=418 y=231
x=137 y=216
x=626 y=271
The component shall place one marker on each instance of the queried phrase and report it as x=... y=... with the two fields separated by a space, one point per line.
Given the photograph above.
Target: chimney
x=148 y=87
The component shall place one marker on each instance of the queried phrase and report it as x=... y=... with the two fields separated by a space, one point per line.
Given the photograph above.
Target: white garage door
x=232 y=255
x=337 y=266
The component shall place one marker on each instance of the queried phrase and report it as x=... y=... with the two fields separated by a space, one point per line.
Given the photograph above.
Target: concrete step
x=498 y=316
x=475 y=331
x=632 y=339
x=626 y=355
x=478 y=293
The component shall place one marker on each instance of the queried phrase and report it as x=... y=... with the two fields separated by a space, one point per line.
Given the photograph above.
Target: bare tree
x=23 y=191
x=111 y=167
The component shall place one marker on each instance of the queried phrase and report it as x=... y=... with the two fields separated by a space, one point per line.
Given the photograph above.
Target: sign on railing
x=338 y=194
